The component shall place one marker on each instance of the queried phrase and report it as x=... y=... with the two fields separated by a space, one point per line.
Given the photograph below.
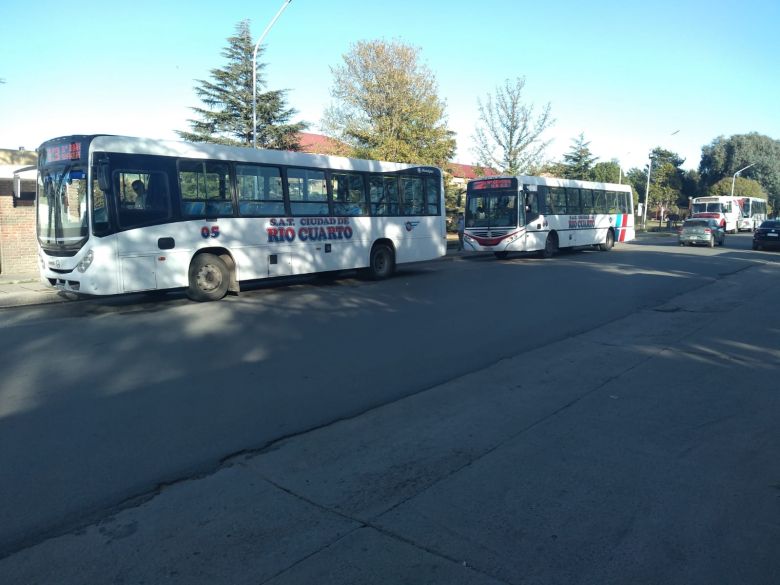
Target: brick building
x=17 y=215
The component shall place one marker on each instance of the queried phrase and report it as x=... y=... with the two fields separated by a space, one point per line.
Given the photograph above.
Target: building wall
x=17 y=234
x=17 y=217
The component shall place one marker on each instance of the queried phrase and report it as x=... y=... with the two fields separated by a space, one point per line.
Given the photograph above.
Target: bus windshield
x=62 y=206
x=494 y=208
x=710 y=207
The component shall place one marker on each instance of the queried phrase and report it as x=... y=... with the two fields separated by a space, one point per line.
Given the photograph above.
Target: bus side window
x=144 y=198
x=599 y=201
x=612 y=202
x=308 y=192
x=383 y=194
x=412 y=195
x=205 y=189
x=573 y=201
x=432 y=195
x=586 y=201
x=348 y=194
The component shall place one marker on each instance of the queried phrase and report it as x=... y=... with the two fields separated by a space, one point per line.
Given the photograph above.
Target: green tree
x=579 y=161
x=725 y=156
x=227 y=117
x=742 y=188
x=386 y=106
x=666 y=181
x=606 y=172
x=508 y=134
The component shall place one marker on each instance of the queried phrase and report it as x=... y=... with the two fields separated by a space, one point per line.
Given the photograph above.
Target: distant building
x=319 y=144
x=462 y=174
x=17 y=215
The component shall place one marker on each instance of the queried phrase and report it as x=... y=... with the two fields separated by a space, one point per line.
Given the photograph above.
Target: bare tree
x=508 y=133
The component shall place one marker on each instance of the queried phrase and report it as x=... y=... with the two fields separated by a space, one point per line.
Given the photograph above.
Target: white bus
x=725 y=209
x=526 y=214
x=118 y=215
x=752 y=212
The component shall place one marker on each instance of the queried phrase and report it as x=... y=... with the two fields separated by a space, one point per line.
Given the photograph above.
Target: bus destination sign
x=492 y=184
x=63 y=152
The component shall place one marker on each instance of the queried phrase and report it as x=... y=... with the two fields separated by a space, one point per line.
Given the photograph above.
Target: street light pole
x=647 y=192
x=254 y=72
x=734 y=178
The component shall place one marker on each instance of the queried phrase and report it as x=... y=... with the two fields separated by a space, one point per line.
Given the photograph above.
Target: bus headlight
x=86 y=261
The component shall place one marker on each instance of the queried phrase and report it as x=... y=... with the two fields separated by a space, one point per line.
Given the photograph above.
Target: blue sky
x=626 y=74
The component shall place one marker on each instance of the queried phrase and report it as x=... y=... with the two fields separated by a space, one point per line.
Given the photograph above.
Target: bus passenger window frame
x=207 y=207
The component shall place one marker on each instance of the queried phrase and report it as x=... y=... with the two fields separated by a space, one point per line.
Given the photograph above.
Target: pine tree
x=227 y=117
x=579 y=161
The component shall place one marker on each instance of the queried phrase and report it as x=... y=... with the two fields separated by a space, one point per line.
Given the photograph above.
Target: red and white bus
x=752 y=212
x=526 y=214
x=118 y=215
x=725 y=209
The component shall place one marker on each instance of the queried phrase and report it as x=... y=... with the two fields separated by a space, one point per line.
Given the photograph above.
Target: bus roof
x=557 y=182
x=204 y=150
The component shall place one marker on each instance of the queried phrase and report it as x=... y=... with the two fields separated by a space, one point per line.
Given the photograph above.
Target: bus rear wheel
x=209 y=278
x=609 y=241
x=381 y=263
x=550 y=246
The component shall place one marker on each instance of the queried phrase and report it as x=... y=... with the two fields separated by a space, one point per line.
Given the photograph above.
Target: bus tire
x=501 y=255
x=550 y=246
x=609 y=241
x=381 y=263
x=209 y=278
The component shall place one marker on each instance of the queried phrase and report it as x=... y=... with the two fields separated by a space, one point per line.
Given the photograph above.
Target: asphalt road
x=105 y=401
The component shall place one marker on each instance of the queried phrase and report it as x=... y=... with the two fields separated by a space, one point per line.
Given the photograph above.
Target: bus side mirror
x=103 y=177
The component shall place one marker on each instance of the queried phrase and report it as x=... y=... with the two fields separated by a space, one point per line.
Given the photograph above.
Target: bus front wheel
x=381 y=262
x=209 y=278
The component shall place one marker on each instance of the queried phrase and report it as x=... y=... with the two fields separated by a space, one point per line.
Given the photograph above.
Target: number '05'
x=212 y=232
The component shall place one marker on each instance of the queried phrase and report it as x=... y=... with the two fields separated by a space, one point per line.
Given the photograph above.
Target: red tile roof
x=319 y=144
x=470 y=171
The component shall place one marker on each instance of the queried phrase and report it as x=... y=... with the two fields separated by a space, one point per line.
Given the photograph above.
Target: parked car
x=767 y=235
x=701 y=231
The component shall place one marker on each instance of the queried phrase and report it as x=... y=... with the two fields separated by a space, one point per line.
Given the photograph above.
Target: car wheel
x=711 y=243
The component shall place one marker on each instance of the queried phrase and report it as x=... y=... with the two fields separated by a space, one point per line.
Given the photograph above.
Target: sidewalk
x=642 y=451
x=18 y=290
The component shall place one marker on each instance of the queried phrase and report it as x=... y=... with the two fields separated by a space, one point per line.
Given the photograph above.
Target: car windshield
x=696 y=223
x=770 y=224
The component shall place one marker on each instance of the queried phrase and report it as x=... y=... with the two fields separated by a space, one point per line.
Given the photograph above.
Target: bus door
x=150 y=249
x=531 y=217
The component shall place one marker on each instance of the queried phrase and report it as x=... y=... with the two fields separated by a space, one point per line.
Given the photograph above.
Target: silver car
x=701 y=231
